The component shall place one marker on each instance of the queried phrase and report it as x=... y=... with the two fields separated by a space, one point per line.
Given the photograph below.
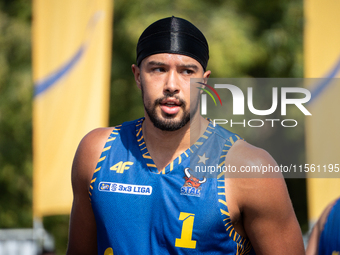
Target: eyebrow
x=195 y=67
x=154 y=63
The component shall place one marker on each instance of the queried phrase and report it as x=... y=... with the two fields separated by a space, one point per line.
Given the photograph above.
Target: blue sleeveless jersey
x=139 y=210
x=330 y=236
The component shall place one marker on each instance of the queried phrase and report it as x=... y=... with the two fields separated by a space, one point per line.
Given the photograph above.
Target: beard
x=168 y=121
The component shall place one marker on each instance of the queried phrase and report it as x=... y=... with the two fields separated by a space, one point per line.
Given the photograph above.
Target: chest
x=176 y=211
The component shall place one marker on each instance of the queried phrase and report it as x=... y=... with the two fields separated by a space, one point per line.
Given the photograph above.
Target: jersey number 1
x=186 y=236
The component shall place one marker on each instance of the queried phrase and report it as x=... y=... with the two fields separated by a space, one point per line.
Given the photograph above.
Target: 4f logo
x=121 y=166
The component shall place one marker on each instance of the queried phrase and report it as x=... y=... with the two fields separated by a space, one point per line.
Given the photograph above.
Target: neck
x=165 y=146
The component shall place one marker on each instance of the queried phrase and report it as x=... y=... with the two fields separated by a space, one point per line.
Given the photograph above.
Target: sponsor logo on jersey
x=121 y=166
x=104 y=186
x=125 y=188
x=192 y=185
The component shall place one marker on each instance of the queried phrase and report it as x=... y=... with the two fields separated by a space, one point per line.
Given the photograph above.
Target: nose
x=172 y=85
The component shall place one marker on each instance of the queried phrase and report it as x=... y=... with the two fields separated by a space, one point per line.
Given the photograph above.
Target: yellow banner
x=71 y=72
x=322 y=60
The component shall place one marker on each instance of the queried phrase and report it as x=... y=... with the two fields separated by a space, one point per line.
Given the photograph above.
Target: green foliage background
x=246 y=38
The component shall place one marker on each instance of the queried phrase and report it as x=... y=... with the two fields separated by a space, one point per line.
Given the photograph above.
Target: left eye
x=188 y=71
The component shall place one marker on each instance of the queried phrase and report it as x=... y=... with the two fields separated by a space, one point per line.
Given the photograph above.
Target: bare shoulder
x=88 y=153
x=243 y=153
x=260 y=200
x=96 y=138
x=251 y=161
x=82 y=230
x=252 y=184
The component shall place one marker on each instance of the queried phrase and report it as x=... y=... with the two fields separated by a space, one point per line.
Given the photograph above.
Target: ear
x=205 y=79
x=206 y=76
x=136 y=73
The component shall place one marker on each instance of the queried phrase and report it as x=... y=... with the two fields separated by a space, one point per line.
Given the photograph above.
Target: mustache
x=170 y=95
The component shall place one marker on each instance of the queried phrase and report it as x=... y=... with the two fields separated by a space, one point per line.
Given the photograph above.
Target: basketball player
x=144 y=196
x=325 y=236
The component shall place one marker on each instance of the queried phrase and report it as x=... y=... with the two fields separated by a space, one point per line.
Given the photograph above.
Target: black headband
x=173 y=35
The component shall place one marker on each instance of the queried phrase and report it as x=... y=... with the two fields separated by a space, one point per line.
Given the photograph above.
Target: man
x=145 y=198
x=325 y=236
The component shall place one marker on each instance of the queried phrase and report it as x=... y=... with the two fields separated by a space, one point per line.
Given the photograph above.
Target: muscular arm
x=263 y=205
x=82 y=230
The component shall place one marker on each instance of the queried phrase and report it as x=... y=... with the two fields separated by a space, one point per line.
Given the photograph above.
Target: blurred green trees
x=15 y=115
x=246 y=39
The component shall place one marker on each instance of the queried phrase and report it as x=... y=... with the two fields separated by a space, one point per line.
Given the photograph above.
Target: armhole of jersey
x=243 y=244
x=113 y=135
